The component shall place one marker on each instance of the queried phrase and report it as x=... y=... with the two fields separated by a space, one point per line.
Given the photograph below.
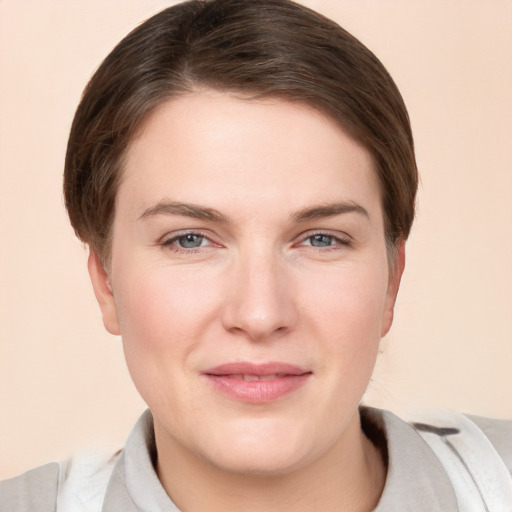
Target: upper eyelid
x=173 y=236
x=184 y=232
x=340 y=235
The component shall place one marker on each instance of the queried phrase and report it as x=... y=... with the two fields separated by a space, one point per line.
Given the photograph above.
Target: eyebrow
x=186 y=210
x=329 y=210
x=213 y=215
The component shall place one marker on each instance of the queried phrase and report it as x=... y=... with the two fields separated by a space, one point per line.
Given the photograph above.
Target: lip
x=256 y=382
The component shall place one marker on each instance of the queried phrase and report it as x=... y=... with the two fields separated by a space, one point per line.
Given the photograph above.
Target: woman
x=244 y=176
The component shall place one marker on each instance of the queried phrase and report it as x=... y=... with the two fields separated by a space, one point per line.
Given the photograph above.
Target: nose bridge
x=259 y=301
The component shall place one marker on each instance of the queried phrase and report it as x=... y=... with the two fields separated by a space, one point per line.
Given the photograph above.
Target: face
x=249 y=280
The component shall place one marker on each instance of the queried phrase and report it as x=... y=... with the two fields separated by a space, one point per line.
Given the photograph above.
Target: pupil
x=321 y=240
x=190 y=241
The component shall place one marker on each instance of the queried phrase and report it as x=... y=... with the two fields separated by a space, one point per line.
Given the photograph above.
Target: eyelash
x=340 y=242
x=170 y=243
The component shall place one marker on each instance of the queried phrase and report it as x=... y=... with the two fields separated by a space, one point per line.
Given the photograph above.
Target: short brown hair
x=263 y=48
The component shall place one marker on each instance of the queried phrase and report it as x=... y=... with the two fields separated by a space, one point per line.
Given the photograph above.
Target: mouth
x=255 y=378
x=257 y=383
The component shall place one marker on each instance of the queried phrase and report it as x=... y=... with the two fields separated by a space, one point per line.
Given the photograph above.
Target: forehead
x=208 y=145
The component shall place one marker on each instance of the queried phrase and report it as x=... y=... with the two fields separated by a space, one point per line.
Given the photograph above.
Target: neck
x=350 y=476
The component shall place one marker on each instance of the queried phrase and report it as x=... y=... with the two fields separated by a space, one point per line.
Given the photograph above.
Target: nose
x=259 y=303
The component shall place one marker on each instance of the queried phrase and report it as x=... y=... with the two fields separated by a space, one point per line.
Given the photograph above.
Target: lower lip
x=260 y=391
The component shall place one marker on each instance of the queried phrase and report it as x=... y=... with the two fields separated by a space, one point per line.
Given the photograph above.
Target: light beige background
x=63 y=384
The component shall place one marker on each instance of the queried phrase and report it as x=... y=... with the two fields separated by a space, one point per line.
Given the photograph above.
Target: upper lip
x=257 y=369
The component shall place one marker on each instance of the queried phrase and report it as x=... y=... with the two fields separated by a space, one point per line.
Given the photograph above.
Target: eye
x=190 y=241
x=187 y=241
x=320 y=240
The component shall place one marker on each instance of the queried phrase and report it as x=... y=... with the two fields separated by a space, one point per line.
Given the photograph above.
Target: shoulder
x=33 y=491
x=76 y=485
x=480 y=434
x=84 y=481
x=474 y=463
x=499 y=433
x=444 y=459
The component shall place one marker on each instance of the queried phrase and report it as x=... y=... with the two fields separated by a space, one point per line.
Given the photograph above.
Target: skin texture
x=257 y=288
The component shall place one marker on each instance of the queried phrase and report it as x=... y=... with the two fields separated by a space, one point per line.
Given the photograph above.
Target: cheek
x=156 y=306
x=346 y=314
x=163 y=315
x=349 y=302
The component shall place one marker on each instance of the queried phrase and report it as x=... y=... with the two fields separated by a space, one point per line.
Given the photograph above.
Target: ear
x=103 y=292
x=396 y=269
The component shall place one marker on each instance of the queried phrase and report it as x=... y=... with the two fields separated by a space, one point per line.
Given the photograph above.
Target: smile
x=253 y=378
x=256 y=383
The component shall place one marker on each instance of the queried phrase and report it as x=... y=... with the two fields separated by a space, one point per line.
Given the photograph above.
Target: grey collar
x=415 y=480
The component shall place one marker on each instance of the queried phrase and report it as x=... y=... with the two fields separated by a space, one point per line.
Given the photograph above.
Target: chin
x=259 y=462
x=259 y=448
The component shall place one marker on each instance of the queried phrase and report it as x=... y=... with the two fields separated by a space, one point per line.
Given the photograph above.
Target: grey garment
x=499 y=432
x=415 y=481
x=134 y=485
x=34 y=491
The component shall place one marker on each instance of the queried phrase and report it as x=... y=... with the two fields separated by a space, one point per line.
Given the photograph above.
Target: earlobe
x=103 y=291
x=396 y=269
